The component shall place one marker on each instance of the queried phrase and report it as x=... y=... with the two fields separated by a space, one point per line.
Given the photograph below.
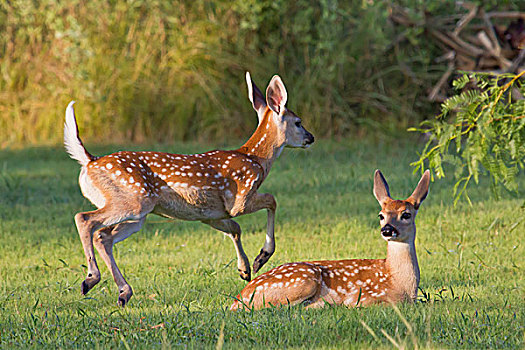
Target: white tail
x=72 y=141
x=351 y=282
x=211 y=187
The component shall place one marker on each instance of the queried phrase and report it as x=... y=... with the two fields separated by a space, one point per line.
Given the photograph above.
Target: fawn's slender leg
x=104 y=242
x=90 y=222
x=264 y=201
x=233 y=230
x=85 y=228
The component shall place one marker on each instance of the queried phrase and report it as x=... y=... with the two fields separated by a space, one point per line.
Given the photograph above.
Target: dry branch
x=471 y=41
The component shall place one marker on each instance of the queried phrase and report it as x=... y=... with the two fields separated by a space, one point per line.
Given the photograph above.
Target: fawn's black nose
x=389 y=231
x=309 y=138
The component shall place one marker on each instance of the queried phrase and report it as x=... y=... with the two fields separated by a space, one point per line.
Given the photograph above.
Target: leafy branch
x=479 y=130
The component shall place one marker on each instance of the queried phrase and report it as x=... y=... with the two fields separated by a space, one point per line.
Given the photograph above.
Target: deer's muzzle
x=309 y=139
x=389 y=231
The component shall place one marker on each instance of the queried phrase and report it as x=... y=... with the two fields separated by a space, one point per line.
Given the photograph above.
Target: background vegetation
x=158 y=71
x=184 y=273
x=167 y=71
x=479 y=131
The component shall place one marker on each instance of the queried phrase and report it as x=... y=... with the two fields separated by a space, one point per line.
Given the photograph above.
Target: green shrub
x=480 y=130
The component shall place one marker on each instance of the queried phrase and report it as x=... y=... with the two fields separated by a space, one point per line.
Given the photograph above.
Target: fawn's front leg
x=264 y=201
x=233 y=230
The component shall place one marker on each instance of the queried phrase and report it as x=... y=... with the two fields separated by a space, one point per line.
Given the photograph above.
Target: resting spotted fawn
x=211 y=187
x=351 y=282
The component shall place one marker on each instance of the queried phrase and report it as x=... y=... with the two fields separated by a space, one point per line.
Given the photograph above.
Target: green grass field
x=184 y=274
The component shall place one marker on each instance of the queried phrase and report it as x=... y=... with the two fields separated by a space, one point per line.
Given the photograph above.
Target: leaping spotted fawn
x=211 y=187
x=351 y=282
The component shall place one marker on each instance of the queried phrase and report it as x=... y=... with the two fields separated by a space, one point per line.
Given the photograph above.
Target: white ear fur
x=276 y=95
x=249 y=84
x=256 y=97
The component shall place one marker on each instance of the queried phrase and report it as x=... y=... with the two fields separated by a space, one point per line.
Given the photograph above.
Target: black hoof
x=125 y=294
x=84 y=288
x=121 y=302
x=89 y=283
x=260 y=260
x=245 y=275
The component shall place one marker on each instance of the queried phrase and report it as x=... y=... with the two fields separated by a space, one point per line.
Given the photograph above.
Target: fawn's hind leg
x=90 y=222
x=104 y=241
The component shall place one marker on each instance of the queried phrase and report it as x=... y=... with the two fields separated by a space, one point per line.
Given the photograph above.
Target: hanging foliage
x=480 y=130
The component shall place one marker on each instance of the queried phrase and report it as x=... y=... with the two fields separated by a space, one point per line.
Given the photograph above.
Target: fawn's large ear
x=256 y=97
x=381 y=191
x=421 y=191
x=276 y=95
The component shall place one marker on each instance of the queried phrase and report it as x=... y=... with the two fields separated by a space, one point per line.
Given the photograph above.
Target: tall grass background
x=169 y=71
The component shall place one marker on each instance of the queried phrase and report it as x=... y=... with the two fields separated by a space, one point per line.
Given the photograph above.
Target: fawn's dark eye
x=406 y=216
x=381 y=217
x=298 y=123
